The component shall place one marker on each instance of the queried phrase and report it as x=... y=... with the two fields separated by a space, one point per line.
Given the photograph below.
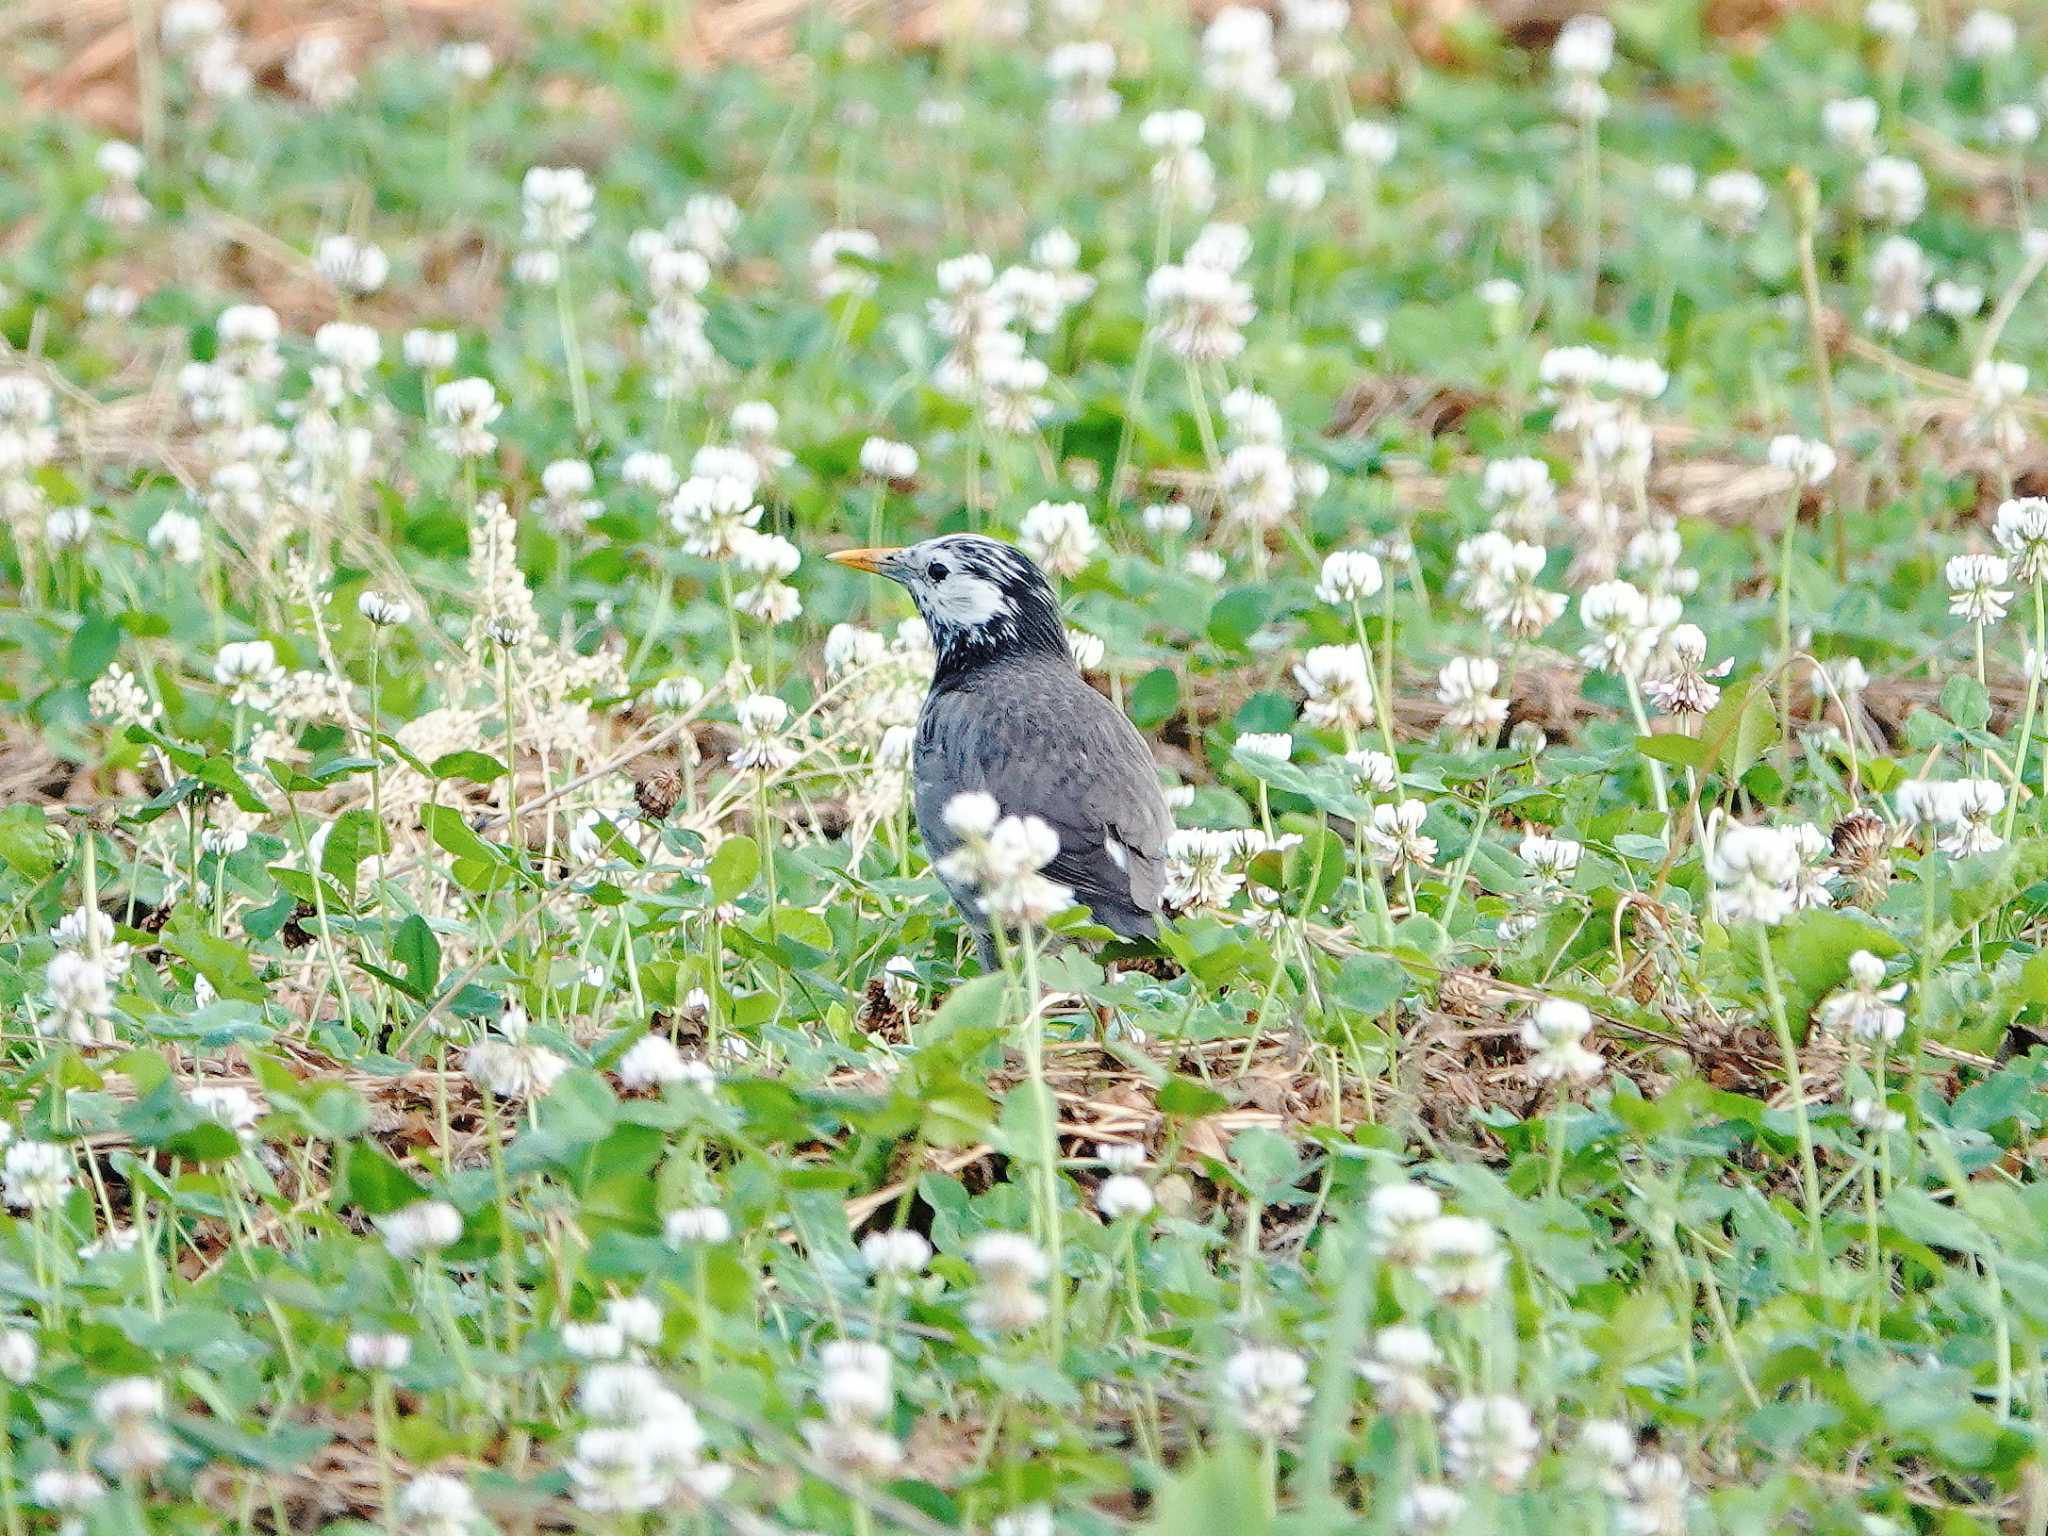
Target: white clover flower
x=1370 y=142
x=464 y=410
x=1396 y=837
x=1267 y=1390
x=1970 y=808
x=1274 y=744
x=1297 y=189
x=1459 y=1259
x=1684 y=684
x=1875 y=1116
x=1986 y=35
x=855 y=1382
x=895 y=1251
x=1584 y=46
x=1429 y=1509
x=1894 y=20
x=1958 y=301
x=763 y=747
x=891 y=462
x=715 y=514
x=1059 y=536
x=1396 y=1215
x=130 y=1413
x=1555 y=1033
x=384 y=610
x=1977 y=587
x=705 y=1224
x=1734 y=200
x=2021 y=531
x=652 y=1062
x=1398 y=1363
x=317 y=68
x=1198 y=870
x=1621 y=632
x=36 y=1175
x=1010 y=1268
x=1338 y=683
x=1754 y=872
x=1891 y=191
x=431 y=351
x=556 y=202
x=18 y=1355
x=379 y=1351
x=420 y=1229
x=510 y=1064
x=1866 y=1009
x=1473 y=710
x=1807 y=461
x=1899 y=274
x=646 y=470
x=2016 y=124
x=1675 y=183
x=177 y=536
x=1996 y=387
x=1490 y=1440
x=1851 y=123
x=1199 y=311
x=230 y=1106
x=354 y=266
x=842 y=261
x=1349 y=576
x=1657 y=1491
x=248 y=669
x=79 y=989
x=1123 y=1195
x=66 y=1488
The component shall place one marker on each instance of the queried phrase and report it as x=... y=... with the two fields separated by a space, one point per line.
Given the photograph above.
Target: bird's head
x=980 y=599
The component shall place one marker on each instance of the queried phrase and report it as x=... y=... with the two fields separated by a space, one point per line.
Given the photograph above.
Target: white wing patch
x=965 y=600
x=1118 y=854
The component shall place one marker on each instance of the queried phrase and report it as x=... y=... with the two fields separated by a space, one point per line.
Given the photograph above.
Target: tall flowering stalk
x=2021 y=531
x=1754 y=876
x=1001 y=859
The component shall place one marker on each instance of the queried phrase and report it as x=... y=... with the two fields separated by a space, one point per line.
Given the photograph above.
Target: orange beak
x=875 y=560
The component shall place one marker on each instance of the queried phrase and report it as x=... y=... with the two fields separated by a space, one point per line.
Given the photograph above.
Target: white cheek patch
x=965 y=601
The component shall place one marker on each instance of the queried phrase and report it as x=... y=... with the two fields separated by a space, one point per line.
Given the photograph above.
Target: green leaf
x=1237 y=616
x=972 y=1006
x=1187 y=1099
x=371 y=1180
x=95 y=642
x=1313 y=869
x=579 y=1108
x=1965 y=702
x=29 y=845
x=417 y=949
x=1813 y=948
x=355 y=836
x=1155 y=698
x=1369 y=984
x=1755 y=728
x=222 y=962
x=733 y=868
x=1679 y=751
x=1213 y=1495
x=476 y=767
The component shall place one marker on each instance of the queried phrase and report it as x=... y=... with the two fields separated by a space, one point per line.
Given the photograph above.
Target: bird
x=1009 y=714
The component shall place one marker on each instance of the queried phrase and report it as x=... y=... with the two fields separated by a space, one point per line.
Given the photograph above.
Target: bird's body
x=1010 y=715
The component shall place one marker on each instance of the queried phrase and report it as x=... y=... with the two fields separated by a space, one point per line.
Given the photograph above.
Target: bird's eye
x=935 y=571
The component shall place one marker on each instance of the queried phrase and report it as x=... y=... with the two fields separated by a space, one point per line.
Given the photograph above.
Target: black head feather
x=982 y=600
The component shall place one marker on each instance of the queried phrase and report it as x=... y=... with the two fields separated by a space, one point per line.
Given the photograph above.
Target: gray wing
x=1045 y=744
